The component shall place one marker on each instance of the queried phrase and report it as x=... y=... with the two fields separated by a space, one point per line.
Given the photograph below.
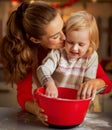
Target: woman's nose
x=63 y=36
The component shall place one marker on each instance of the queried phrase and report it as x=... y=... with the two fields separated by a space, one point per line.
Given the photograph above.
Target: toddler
x=77 y=62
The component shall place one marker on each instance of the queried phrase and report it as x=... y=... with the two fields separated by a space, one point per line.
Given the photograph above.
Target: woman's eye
x=55 y=37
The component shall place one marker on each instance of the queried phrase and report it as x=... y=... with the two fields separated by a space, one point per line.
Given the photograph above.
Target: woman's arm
x=24 y=91
x=90 y=87
x=101 y=75
x=26 y=100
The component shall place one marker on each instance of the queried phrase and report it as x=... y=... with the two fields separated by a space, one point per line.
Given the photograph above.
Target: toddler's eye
x=69 y=42
x=81 y=44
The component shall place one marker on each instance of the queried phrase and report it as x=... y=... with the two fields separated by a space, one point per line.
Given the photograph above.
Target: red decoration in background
x=68 y=3
x=54 y=5
x=17 y=1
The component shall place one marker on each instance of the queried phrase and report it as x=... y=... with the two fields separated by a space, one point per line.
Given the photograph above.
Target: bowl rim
x=64 y=99
x=60 y=99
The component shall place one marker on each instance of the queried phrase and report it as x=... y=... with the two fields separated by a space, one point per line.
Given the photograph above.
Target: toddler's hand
x=52 y=91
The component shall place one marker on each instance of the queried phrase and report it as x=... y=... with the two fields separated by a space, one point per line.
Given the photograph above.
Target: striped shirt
x=67 y=72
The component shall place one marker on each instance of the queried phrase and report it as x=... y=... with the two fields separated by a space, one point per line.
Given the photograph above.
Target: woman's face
x=54 y=38
x=77 y=43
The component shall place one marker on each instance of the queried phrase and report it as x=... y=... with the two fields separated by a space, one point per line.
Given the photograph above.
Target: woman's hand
x=89 y=88
x=33 y=107
x=40 y=114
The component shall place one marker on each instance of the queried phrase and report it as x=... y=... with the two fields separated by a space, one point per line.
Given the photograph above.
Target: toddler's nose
x=75 y=47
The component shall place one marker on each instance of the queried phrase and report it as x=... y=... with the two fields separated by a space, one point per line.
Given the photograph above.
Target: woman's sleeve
x=24 y=91
x=102 y=75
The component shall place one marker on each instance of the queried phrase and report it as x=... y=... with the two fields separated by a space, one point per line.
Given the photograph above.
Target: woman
x=32 y=30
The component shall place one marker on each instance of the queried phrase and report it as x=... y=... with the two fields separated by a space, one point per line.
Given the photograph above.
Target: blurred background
x=101 y=9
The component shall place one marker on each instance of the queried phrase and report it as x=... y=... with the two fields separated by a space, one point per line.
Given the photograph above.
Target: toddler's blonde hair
x=82 y=20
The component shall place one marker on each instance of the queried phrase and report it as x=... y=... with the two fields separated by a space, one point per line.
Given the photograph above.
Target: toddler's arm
x=51 y=89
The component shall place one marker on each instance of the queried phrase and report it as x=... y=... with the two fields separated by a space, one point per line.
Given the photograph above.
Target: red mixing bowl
x=65 y=110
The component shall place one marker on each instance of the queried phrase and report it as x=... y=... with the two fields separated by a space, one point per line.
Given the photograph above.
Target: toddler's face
x=77 y=43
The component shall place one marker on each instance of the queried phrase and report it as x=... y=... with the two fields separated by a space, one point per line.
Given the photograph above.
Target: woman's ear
x=34 y=40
